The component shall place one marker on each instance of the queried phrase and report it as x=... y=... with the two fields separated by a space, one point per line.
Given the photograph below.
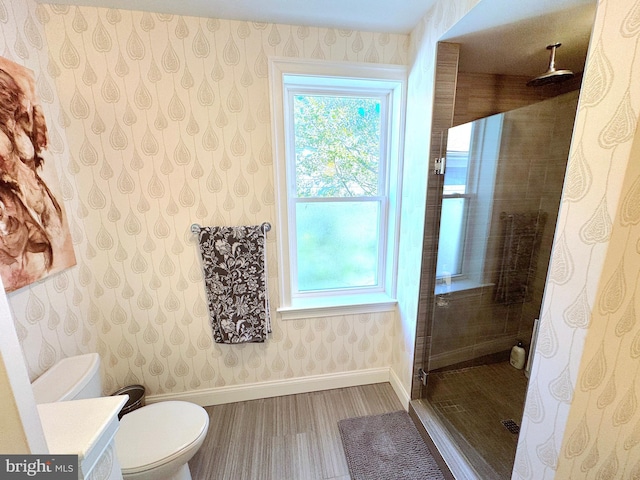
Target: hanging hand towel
x=235 y=274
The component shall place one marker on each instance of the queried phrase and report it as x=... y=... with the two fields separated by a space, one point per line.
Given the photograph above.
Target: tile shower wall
x=49 y=315
x=168 y=124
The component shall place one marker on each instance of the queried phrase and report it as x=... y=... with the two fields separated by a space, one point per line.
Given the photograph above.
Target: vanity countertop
x=81 y=427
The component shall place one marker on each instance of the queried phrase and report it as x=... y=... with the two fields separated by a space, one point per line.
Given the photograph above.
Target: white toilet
x=154 y=442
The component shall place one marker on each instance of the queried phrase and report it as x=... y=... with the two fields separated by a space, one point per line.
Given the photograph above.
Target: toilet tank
x=72 y=378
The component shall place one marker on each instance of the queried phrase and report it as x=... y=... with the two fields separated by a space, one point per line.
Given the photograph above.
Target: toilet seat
x=159 y=433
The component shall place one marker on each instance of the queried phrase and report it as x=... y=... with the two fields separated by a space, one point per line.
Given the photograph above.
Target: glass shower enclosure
x=502 y=186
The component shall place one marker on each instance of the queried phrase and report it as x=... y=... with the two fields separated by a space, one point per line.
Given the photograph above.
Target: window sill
x=337 y=306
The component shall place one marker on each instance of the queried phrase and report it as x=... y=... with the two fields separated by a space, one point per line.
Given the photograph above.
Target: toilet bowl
x=180 y=425
x=154 y=442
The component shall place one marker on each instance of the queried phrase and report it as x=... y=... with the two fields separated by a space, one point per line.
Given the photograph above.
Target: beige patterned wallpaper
x=49 y=315
x=581 y=416
x=163 y=122
x=168 y=124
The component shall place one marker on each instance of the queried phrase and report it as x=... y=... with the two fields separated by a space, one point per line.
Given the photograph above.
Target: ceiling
x=496 y=36
x=514 y=42
x=366 y=15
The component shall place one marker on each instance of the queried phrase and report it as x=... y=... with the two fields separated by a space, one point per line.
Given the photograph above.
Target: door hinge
x=439 y=166
x=423 y=376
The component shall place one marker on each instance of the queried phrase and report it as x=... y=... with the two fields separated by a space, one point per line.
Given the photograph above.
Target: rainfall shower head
x=551 y=75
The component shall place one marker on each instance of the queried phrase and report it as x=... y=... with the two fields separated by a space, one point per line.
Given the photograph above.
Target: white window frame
x=292 y=76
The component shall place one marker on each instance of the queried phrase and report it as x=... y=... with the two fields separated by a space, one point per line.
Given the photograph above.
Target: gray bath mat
x=386 y=447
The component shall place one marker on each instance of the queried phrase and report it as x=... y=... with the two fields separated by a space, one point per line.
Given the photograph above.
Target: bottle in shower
x=517 y=356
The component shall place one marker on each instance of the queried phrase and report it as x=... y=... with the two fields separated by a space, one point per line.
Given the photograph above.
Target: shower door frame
x=447 y=55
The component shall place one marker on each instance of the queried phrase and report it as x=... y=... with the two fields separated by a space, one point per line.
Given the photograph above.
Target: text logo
x=50 y=467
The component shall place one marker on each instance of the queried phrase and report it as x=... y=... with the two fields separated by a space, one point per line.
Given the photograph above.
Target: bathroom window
x=467 y=202
x=337 y=138
x=455 y=201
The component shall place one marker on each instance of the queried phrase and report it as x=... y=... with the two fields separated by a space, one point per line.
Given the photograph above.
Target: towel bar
x=195 y=228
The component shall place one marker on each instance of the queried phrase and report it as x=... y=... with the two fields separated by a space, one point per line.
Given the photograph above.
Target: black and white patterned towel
x=235 y=275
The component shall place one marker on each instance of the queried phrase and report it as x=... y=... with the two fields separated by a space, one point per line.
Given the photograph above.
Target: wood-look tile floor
x=293 y=437
x=473 y=401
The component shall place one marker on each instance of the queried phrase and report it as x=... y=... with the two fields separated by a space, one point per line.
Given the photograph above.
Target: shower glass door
x=500 y=199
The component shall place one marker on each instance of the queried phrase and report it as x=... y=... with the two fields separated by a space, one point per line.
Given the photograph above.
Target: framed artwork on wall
x=34 y=235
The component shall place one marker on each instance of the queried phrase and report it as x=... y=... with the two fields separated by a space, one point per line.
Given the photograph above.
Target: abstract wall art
x=34 y=235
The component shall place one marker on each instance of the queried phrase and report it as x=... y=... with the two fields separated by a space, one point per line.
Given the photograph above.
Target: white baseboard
x=291 y=386
x=402 y=394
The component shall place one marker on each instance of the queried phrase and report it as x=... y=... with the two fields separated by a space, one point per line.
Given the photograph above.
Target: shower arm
x=552 y=56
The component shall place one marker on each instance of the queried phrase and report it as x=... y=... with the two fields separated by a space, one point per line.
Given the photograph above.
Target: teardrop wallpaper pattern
x=158 y=121
x=581 y=417
x=49 y=315
x=168 y=123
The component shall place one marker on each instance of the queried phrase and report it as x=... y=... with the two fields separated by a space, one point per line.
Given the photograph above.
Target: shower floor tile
x=474 y=401
x=449 y=406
